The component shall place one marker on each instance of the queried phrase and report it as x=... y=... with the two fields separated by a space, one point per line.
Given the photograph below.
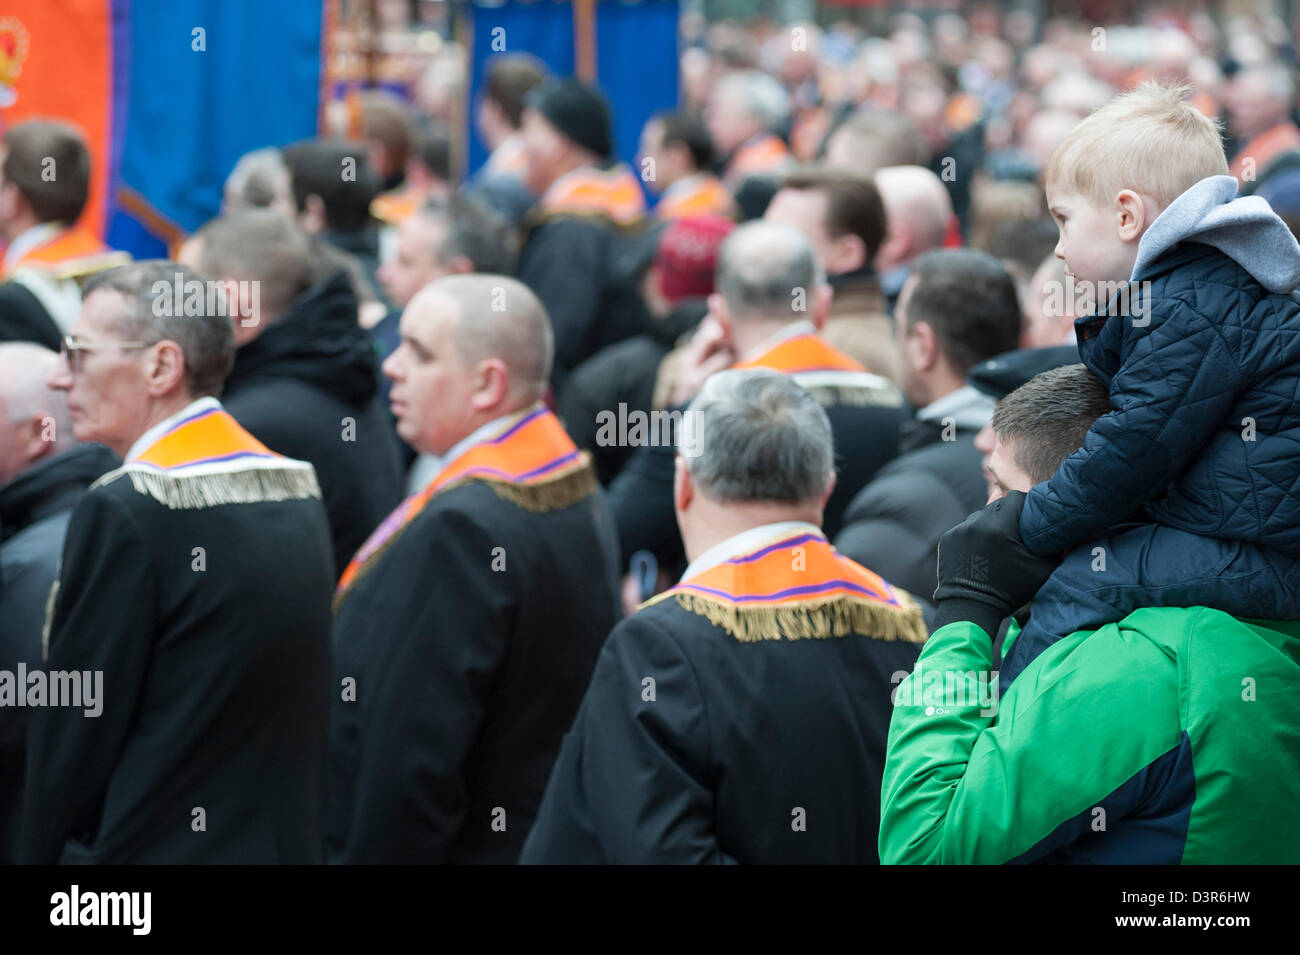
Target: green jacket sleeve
x=987 y=782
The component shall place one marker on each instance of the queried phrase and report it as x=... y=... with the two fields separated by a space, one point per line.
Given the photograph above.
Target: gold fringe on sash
x=194 y=491
x=814 y=619
x=553 y=495
x=854 y=396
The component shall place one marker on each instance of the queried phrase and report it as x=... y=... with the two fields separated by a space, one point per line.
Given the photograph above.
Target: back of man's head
x=685 y=129
x=155 y=306
x=32 y=415
x=260 y=180
x=338 y=175
x=768 y=272
x=509 y=79
x=969 y=299
x=259 y=246
x=757 y=437
x=1045 y=420
x=853 y=203
x=48 y=163
x=918 y=210
x=759 y=96
x=500 y=317
x=473 y=232
x=869 y=141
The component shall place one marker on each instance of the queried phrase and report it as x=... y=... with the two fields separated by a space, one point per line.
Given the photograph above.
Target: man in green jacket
x=1170 y=737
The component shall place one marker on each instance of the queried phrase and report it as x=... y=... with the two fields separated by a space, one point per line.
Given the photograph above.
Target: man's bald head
x=762 y=268
x=917 y=212
x=34 y=419
x=498 y=317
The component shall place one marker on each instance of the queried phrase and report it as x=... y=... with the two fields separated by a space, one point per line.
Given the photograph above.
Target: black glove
x=985 y=570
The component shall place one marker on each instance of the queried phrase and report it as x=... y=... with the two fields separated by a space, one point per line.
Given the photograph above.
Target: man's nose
x=60 y=378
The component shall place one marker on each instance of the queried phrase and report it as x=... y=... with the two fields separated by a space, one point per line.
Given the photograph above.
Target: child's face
x=1098 y=244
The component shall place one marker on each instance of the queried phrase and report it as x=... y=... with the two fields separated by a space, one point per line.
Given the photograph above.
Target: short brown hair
x=853 y=204
x=509 y=78
x=29 y=147
x=384 y=118
x=1046 y=419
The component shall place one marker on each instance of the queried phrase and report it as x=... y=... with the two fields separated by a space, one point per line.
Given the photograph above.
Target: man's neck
x=159 y=411
x=718 y=523
x=753 y=336
x=568 y=166
x=17 y=226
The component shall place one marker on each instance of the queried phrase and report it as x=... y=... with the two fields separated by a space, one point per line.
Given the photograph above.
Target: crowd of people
x=893 y=462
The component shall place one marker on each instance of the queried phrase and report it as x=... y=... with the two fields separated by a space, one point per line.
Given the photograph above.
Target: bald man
x=918 y=213
x=467 y=626
x=44 y=472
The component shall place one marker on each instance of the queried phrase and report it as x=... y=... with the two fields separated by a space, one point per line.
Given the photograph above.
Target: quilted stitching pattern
x=1205 y=429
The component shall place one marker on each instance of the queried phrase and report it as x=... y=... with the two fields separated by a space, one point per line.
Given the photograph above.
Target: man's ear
x=823 y=295
x=830 y=489
x=36 y=443
x=895 y=247
x=1131 y=214
x=683 y=486
x=166 y=369
x=312 y=217
x=850 y=254
x=492 y=384
x=924 y=344
x=719 y=312
x=459 y=265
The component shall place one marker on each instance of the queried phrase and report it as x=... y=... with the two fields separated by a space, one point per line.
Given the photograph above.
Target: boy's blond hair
x=1150 y=140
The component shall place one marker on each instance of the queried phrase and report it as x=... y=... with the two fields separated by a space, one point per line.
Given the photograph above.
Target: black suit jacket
x=470 y=642
x=768 y=751
x=211 y=743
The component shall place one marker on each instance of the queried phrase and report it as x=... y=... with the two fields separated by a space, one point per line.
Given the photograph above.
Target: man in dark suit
x=305 y=380
x=467 y=625
x=742 y=715
x=771 y=303
x=193 y=598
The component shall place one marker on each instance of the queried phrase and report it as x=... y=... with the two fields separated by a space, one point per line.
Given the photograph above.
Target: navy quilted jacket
x=1204 y=387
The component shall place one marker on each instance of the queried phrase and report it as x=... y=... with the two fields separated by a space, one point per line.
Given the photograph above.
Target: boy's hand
x=985 y=570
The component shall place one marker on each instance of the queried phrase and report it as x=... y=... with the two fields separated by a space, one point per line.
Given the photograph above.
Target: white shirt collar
x=150 y=437
x=967 y=406
x=28 y=240
x=747 y=542
x=483 y=433
x=793 y=330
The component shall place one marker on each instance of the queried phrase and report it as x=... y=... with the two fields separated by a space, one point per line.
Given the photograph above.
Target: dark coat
x=34 y=512
x=893 y=525
x=737 y=737
x=582 y=271
x=467 y=674
x=1218 y=358
x=623 y=373
x=215 y=692
x=296 y=386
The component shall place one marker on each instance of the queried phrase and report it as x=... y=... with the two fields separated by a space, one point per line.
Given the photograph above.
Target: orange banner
x=56 y=62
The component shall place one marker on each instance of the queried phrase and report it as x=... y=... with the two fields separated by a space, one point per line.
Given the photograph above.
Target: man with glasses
x=194 y=593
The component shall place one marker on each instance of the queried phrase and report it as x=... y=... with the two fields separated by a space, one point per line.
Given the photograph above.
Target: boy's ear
x=1132 y=215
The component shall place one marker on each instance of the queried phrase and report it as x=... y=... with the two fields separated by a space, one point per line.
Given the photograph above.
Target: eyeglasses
x=72 y=350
